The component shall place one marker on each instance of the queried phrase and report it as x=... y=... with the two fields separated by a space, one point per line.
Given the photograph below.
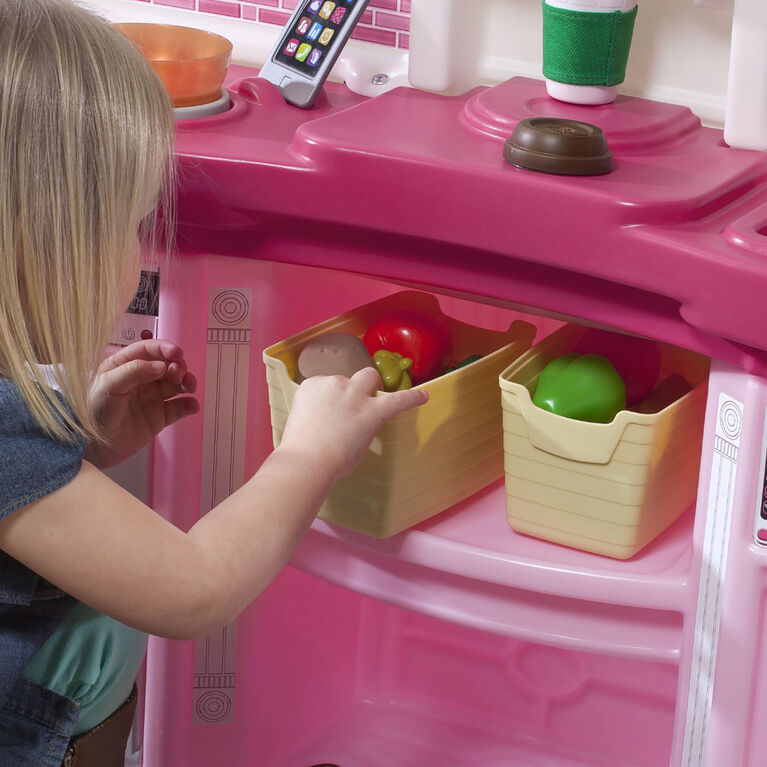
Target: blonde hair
x=86 y=147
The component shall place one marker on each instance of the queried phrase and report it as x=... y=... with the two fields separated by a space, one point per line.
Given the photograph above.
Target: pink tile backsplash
x=386 y=22
x=223 y=9
x=188 y=4
x=270 y=16
x=393 y=21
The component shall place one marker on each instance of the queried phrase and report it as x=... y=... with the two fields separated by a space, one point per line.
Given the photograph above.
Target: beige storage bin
x=428 y=459
x=605 y=488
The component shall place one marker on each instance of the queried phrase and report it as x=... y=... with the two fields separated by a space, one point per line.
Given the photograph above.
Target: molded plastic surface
x=424 y=461
x=330 y=677
x=607 y=488
x=412 y=187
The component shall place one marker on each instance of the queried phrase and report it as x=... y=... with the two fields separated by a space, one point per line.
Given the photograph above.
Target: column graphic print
x=223 y=471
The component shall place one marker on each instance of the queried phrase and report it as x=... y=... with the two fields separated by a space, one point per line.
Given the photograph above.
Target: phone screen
x=309 y=39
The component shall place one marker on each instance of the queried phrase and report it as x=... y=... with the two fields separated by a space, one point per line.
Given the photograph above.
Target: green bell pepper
x=585 y=387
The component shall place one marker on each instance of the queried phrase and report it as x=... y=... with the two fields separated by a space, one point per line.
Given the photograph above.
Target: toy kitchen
x=497 y=584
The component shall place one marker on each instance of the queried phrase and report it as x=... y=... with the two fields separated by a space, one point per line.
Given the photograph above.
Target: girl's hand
x=333 y=419
x=135 y=395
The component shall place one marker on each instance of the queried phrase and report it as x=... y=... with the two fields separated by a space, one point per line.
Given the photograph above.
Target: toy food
x=582 y=386
x=422 y=337
x=666 y=393
x=637 y=360
x=393 y=369
x=332 y=354
x=464 y=362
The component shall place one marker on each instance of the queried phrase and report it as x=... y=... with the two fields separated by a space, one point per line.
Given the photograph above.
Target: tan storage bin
x=428 y=459
x=605 y=488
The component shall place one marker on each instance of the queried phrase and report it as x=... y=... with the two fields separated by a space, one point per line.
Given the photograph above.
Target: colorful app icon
x=303 y=26
x=338 y=14
x=291 y=47
x=314 y=57
x=326 y=35
x=314 y=6
x=327 y=9
x=303 y=51
x=314 y=32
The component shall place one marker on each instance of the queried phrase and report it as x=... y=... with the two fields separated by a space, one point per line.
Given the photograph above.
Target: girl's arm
x=100 y=544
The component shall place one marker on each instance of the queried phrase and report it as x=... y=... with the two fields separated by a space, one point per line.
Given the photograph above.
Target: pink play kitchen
x=560 y=560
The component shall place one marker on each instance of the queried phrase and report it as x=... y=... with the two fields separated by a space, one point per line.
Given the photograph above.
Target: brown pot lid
x=554 y=145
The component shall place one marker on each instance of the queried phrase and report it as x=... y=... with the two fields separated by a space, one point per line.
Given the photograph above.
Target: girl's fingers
x=396 y=402
x=178 y=374
x=163 y=390
x=129 y=376
x=152 y=349
x=179 y=408
x=189 y=383
x=367 y=380
x=168 y=388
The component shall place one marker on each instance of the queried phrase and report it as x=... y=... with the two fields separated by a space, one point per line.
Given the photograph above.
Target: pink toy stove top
x=412 y=187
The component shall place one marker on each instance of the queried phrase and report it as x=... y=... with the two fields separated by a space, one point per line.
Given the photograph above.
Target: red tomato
x=637 y=360
x=422 y=337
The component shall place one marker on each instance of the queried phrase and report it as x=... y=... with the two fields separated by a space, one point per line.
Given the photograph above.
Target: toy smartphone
x=309 y=46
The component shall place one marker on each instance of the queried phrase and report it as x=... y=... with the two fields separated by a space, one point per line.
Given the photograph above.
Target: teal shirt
x=91 y=659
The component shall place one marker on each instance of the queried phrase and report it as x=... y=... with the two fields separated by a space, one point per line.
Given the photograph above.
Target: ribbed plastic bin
x=426 y=460
x=605 y=488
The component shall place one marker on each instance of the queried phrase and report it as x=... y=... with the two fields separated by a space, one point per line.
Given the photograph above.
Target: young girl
x=86 y=142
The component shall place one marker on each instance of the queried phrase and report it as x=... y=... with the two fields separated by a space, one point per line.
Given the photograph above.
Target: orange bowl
x=191 y=63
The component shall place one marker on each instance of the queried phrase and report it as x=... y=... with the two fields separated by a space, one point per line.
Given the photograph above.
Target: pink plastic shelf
x=412 y=187
x=468 y=566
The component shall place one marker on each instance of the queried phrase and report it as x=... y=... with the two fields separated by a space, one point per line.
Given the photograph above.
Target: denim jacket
x=35 y=723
